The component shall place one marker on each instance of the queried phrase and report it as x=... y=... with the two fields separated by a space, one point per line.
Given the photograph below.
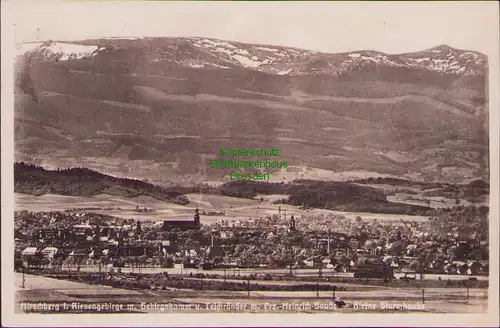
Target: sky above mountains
x=328 y=27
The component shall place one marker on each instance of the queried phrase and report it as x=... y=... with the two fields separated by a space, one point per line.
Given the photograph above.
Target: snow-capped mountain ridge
x=399 y=114
x=60 y=51
x=205 y=53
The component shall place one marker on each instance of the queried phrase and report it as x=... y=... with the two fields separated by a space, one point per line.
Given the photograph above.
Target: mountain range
x=160 y=108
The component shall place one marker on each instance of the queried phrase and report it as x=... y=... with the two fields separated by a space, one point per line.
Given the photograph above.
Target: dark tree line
x=33 y=179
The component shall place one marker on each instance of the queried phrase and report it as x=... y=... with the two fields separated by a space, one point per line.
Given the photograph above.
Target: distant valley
x=373 y=195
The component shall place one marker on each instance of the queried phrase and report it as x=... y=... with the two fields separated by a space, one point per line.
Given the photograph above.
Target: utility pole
x=292 y=259
x=24 y=279
x=328 y=249
x=101 y=274
x=421 y=269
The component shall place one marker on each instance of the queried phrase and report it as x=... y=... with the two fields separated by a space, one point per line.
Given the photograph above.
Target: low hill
x=332 y=195
x=35 y=180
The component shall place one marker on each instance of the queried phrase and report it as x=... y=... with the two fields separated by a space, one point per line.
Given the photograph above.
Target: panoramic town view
x=253 y=251
x=193 y=174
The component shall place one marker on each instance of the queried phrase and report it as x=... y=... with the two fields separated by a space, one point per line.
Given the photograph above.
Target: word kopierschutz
x=261 y=152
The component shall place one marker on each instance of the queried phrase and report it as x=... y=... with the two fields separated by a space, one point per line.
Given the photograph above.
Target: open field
x=64 y=293
x=416 y=196
x=435 y=202
x=235 y=208
x=283 y=271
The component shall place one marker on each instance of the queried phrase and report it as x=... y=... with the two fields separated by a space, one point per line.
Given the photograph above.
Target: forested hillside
x=35 y=180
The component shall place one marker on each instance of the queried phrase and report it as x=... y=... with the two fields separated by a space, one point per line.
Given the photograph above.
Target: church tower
x=196 y=218
x=291 y=226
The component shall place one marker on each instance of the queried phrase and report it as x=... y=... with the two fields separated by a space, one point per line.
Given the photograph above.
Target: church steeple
x=291 y=225
x=196 y=217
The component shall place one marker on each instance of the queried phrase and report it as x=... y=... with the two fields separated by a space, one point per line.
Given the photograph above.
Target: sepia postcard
x=250 y=163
